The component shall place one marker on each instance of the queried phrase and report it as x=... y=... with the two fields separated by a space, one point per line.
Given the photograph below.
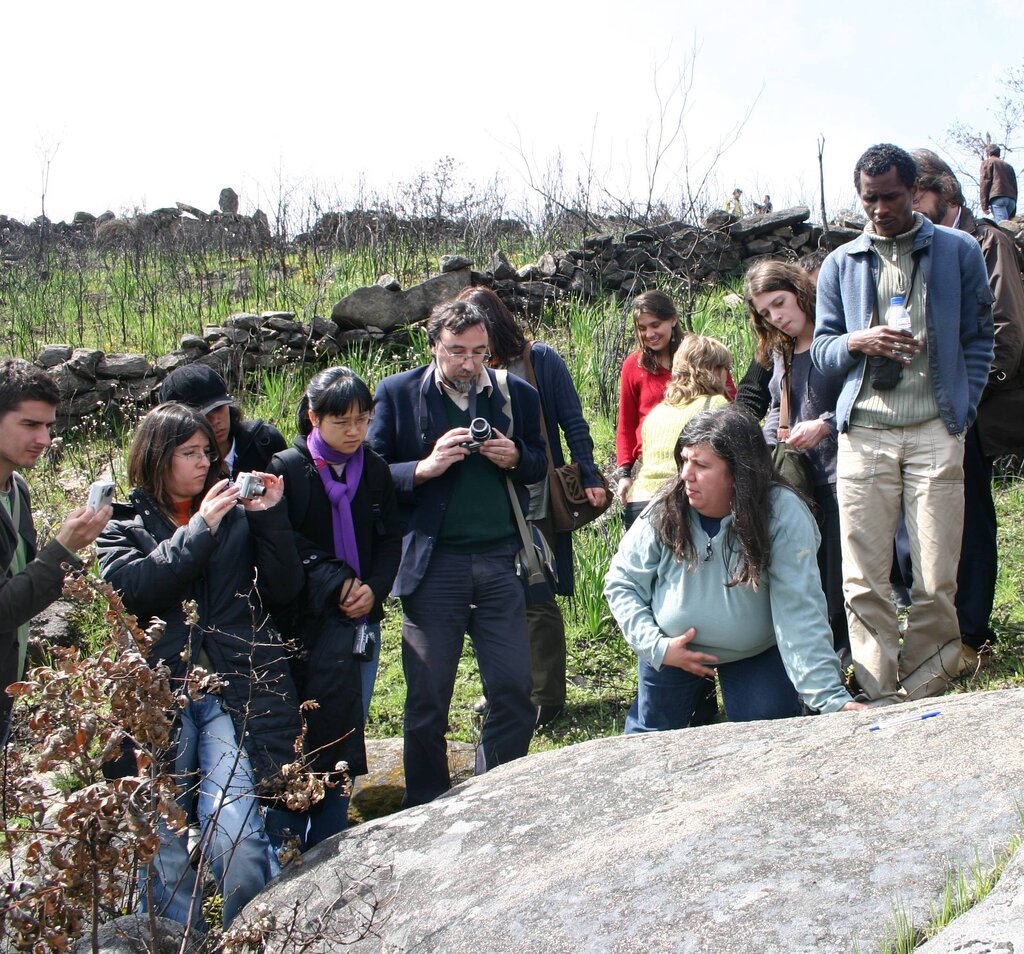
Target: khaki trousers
x=920 y=467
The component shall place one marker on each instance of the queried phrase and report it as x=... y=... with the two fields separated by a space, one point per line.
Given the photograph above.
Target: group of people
x=898 y=426
x=270 y=564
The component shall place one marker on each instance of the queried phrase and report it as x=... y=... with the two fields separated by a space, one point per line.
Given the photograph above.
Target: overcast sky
x=140 y=105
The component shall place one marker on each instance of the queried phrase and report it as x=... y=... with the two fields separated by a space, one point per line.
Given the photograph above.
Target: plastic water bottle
x=896 y=316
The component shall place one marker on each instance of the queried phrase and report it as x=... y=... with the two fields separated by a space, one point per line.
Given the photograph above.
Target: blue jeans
x=1002 y=208
x=753 y=689
x=233 y=839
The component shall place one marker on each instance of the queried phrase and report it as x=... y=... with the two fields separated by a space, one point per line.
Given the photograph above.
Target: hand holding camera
x=259 y=491
x=499 y=450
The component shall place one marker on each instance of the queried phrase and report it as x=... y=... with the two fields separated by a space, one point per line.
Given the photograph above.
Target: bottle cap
x=897 y=300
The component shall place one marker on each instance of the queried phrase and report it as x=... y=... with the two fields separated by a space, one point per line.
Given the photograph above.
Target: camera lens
x=479 y=429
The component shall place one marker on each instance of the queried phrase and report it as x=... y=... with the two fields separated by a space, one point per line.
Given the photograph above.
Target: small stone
x=389 y=282
x=244 y=320
x=123 y=366
x=192 y=343
x=53 y=354
x=228 y=201
x=452 y=263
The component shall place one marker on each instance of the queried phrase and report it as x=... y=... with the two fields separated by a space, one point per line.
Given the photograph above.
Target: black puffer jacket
x=156 y=566
x=255 y=443
x=326 y=671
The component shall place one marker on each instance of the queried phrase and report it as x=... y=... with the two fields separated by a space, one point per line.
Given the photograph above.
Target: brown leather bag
x=569 y=507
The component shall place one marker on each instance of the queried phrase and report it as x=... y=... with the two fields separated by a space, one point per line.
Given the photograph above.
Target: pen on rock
x=906 y=720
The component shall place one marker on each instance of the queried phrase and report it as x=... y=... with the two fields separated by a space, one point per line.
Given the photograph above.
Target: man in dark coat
x=242 y=445
x=30 y=579
x=999 y=428
x=457 y=573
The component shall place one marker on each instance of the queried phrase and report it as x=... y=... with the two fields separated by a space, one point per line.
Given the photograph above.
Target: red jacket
x=639 y=391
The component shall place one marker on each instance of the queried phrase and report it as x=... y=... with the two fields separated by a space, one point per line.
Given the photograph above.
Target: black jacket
x=156 y=566
x=24 y=595
x=255 y=443
x=326 y=671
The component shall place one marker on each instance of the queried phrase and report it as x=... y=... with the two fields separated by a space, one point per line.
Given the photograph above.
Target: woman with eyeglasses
x=342 y=508
x=187 y=537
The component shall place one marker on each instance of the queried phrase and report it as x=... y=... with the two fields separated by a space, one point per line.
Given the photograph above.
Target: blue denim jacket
x=958 y=316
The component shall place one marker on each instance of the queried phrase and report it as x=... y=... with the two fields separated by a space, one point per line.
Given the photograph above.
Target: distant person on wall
x=904 y=321
x=563 y=416
x=735 y=204
x=999 y=428
x=30 y=579
x=780 y=301
x=997 y=187
x=241 y=445
x=645 y=375
x=764 y=206
x=718 y=577
x=458 y=569
x=700 y=370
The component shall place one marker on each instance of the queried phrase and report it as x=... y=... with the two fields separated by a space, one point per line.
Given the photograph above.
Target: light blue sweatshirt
x=654 y=598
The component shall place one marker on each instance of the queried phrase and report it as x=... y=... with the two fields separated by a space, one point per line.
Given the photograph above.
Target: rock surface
x=386 y=309
x=777 y=837
x=995 y=926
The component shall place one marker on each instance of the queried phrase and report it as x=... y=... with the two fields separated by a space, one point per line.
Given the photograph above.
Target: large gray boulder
x=793 y=836
x=387 y=308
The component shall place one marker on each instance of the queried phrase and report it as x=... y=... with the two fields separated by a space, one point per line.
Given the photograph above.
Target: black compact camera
x=363 y=643
x=249 y=486
x=479 y=431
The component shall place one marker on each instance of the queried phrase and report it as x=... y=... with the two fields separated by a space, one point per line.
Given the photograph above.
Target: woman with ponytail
x=342 y=507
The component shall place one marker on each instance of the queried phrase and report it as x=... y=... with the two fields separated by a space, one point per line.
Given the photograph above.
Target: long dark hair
x=734 y=436
x=659 y=304
x=159 y=434
x=333 y=391
x=768 y=275
x=507 y=341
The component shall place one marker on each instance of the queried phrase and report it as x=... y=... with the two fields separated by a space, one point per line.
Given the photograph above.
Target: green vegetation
x=964 y=889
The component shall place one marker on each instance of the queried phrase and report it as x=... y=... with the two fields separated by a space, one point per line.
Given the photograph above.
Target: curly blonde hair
x=695 y=367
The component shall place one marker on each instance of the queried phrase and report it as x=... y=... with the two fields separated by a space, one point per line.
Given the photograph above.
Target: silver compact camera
x=249 y=486
x=479 y=431
x=101 y=493
x=363 y=643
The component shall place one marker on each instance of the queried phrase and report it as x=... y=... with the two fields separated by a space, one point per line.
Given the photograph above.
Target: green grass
x=964 y=888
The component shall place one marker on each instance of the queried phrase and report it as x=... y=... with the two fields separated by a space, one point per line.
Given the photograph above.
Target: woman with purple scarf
x=342 y=507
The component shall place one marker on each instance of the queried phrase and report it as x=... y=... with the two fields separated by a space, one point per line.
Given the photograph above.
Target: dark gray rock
x=386 y=309
x=85 y=361
x=547 y=265
x=131 y=935
x=319 y=328
x=244 y=320
x=192 y=210
x=167 y=363
x=528 y=273
x=837 y=235
x=52 y=355
x=454 y=263
x=285 y=324
x=757 y=247
x=123 y=366
x=389 y=282
x=598 y=241
x=192 y=343
x=719 y=219
x=500 y=267
x=228 y=201
x=752 y=226
x=785 y=837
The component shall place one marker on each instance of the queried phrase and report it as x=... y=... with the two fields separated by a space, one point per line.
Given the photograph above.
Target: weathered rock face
x=385 y=308
x=788 y=837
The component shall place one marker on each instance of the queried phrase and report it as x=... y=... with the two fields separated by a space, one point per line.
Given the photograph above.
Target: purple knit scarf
x=340 y=492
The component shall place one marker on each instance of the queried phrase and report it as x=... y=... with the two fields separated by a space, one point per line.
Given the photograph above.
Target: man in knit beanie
x=908 y=398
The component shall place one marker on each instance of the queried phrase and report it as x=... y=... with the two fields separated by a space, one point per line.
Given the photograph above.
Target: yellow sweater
x=658 y=436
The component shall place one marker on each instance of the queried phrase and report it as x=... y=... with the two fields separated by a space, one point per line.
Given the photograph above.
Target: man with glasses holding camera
x=458 y=572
